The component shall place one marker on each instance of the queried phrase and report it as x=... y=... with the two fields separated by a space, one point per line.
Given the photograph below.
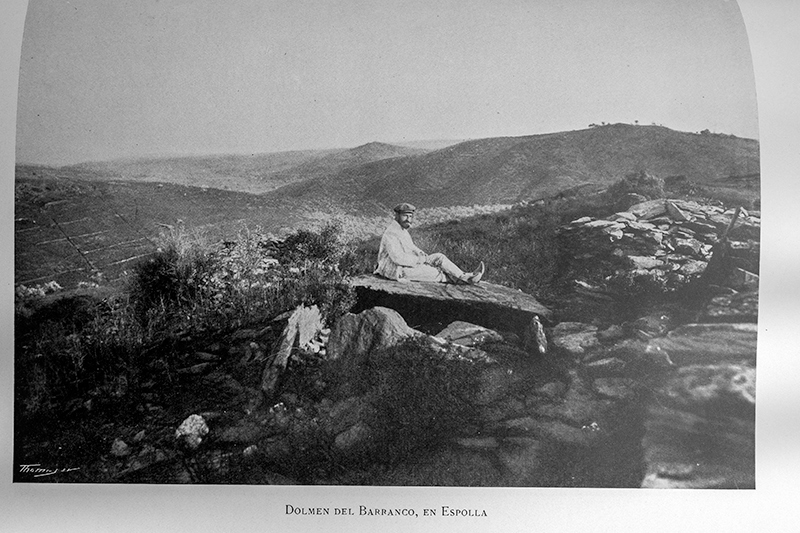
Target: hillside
x=67 y=228
x=255 y=173
x=338 y=161
x=514 y=169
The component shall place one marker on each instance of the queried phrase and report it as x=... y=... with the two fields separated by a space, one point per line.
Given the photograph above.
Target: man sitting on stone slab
x=401 y=260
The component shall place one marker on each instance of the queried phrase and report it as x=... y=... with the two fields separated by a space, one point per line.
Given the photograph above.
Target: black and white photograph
x=382 y=262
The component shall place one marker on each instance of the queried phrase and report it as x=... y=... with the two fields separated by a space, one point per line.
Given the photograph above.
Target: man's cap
x=404 y=208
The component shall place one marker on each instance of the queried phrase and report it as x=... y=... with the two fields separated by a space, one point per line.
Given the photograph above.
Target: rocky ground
x=645 y=377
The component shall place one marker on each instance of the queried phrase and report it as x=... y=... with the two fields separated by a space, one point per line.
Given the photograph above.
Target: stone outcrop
x=302 y=327
x=358 y=334
x=467 y=334
x=699 y=421
x=431 y=306
x=660 y=246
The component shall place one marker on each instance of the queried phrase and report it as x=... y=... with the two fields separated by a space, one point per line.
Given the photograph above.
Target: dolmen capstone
x=431 y=306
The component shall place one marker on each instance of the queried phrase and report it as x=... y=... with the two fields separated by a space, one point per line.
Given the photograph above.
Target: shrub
x=419 y=397
x=649 y=186
x=77 y=350
x=323 y=247
x=169 y=278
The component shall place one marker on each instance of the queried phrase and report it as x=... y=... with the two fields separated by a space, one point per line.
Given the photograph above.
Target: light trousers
x=445 y=270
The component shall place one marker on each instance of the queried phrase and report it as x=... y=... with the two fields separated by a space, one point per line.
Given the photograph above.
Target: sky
x=105 y=80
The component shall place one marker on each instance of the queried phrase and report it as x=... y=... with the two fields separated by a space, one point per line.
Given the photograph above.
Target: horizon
x=119 y=80
x=451 y=142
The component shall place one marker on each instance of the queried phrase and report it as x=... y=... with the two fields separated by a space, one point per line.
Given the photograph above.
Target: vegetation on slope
x=89 y=361
x=515 y=169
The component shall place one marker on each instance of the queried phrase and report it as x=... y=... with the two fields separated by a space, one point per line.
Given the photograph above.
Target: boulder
x=628 y=200
x=356 y=335
x=534 y=340
x=119 y=448
x=574 y=337
x=644 y=262
x=192 y=431
x=467 y=334
x=304 y=324
x=675 y=212
x=649 y=209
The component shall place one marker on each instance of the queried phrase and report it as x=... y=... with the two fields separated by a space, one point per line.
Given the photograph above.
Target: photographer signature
x=38 y=470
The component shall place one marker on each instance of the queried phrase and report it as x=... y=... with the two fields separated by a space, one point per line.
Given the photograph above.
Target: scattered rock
x=467 y=334
x=250 y=450
x=195 y=370
x=192 y=431
x=303 y=324
x=574 y=337
x=535 y=340
x=644 y=262
x=205 y=356
x=743 y=280
x=606 y=366
x=119 y=448
x=616 y=388
x=612 y=333
x=738 y=307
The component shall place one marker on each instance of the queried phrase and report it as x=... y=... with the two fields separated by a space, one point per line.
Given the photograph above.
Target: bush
x=77 y=350
x=419 y=397
x=651 y=187
x=169 y=278
x=323 y=247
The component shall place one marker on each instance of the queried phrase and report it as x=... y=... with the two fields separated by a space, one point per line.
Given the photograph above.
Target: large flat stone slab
x=423 y=303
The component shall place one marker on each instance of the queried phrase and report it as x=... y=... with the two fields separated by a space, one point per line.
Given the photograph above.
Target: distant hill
x=338 y=161
x=512 y=169
x=255 y=173
x=433 y=144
